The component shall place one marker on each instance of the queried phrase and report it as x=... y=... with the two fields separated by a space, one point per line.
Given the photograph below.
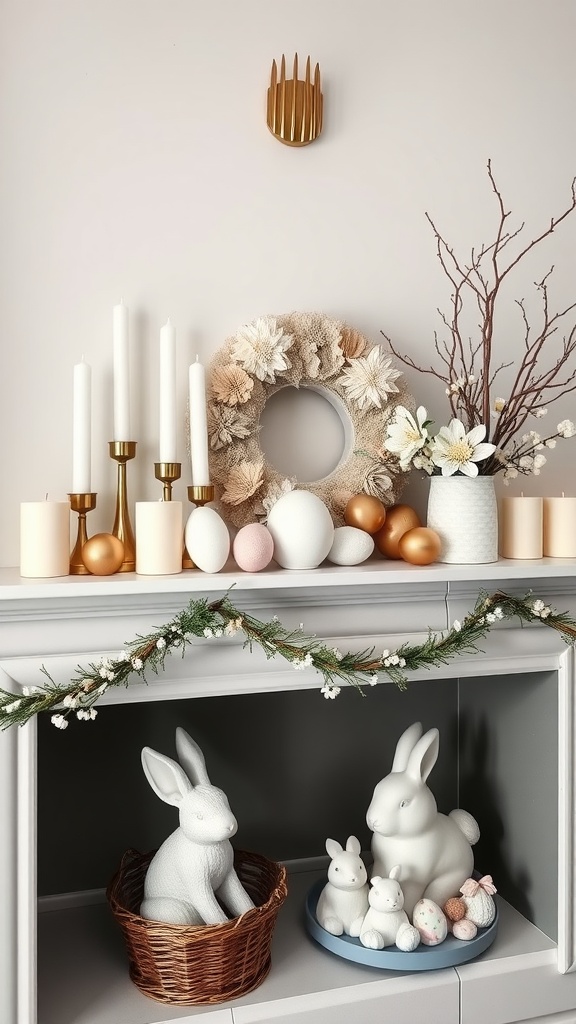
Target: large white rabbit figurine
x=196 y=861
x=386 y=922
x=433 y=849
x=343 y=901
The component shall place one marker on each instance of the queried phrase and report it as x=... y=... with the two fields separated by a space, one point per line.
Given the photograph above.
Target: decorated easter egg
x=464 y=929
x=253 y=547
x=350 y=546
x=430 y=922
x=302 y=529
x=207 y=539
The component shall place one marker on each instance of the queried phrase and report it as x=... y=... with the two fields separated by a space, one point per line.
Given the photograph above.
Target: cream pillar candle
x=521 y=527
x=44 y=538
x=159 y=534
x=560 y=527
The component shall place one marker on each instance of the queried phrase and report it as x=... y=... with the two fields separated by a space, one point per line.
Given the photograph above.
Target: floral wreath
x=301 y=350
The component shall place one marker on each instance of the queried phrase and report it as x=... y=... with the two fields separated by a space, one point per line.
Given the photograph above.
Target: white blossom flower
x=453 y=450
x=82 y=715
x=370 y=379
x=498 y=612
x=330 y=691
x=456 y=626
x=298 y=664
x=13 y=706
x=70 y=700
x=373 y=679
x=232 y=627
x=59 y=721
x=92 y=712
x=137 y=664
x=208 y=632
x=566 y=428
x=402 y=662
x=123 y=656
x=161 y=643
x=490 y=617
x=337 y=654
x=385 y=654
x=550 y=443
x=261 y=349
x=539 y=413
x=407 y=434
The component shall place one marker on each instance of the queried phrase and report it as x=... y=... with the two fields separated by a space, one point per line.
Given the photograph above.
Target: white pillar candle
x=121 y=373
x=521 y=527
x=81 y=429
x=158 y=537
x=560 y=527
x=44 y=538
x=167 y=430
x=198 y=426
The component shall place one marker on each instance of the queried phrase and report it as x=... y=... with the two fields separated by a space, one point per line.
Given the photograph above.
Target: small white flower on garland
x=220 y=617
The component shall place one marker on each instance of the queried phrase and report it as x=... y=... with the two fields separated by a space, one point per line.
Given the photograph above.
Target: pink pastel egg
x=253 y=547
x=464 y=929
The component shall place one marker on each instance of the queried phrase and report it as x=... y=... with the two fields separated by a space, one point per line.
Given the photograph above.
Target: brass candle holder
x=167 y=473
x=82 y=503
x=122 y=452
x=200 y=494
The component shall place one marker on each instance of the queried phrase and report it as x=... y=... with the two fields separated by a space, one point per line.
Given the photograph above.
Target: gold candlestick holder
x=82 y=503
x=122 y=452
x=200 y=494
x=167 y=473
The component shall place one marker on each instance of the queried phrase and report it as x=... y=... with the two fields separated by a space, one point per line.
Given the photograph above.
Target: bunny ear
x=353 y=845
x=191 y=758
x=395 y=872
x=333 y=848
x=424 y=756
x=405 y=746
x=165 y=776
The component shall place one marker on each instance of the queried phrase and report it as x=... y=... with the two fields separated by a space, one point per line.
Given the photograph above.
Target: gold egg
x=103 y=554
x=399 y=519
x=420 y=546
x=365 y=513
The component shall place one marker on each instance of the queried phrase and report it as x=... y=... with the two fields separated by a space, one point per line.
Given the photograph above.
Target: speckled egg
x=350 y=546
x=302 y=529
x=464 y=929
x=430 y=922
x=455 y=909
x=207 y=539
x=253 y=547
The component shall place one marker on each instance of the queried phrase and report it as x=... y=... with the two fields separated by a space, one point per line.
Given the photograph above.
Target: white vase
x=463 y=511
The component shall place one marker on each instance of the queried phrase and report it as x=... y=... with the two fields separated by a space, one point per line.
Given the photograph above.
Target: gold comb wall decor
x=294 y=105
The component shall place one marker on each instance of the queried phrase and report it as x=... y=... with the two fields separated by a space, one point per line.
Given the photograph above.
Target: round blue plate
x=449 y=953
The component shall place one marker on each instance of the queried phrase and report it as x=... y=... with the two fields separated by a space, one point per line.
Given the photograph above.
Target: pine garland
x=78 y=697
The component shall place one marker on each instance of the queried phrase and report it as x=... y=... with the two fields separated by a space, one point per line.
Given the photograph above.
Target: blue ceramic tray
x=449 y=953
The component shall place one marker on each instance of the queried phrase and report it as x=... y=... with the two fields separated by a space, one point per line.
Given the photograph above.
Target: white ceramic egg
x=302 y=529
x=350 y=546
x=430 y=922
x=253 y=547
x=207 y=539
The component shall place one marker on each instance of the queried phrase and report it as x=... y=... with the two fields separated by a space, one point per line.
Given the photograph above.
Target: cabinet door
x=400 y=1000
x=515 y=989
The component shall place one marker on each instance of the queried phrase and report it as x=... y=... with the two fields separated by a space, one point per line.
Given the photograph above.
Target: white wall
x=136 y=162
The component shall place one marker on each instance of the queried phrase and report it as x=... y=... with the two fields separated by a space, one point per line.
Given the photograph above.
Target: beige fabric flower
x=352 y=343
x=243 y=481
x=261 y=349
x=231 y=384
x=370 y=379
x=225 y=423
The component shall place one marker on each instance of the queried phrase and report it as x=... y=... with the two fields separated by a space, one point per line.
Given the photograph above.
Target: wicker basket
x=195 y=965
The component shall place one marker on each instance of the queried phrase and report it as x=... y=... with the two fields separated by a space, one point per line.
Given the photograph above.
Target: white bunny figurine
x=386 y=923
x=196 y=861
x=434 y=849
x=343 y=901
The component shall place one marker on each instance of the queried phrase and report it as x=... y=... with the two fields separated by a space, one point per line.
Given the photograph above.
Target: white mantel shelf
x=71 y=620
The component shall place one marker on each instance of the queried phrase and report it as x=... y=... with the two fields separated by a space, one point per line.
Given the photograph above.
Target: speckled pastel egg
x=464 y=929
x=253 y=547
x=302 y=529
x=430 y=922
x=207 y=539
x=350 y=546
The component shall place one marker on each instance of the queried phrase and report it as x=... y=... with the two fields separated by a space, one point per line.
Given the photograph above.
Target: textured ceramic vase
x=463 y=511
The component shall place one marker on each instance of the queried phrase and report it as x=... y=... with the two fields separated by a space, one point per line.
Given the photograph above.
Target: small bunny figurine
x=196 y=861
x=434 y=849
x=386 y=923
x=343 y=901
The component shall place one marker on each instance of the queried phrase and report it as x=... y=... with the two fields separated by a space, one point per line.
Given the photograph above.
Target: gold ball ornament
x=399 y=519
x=420 y=546
x=103 y=554
x=365 y=512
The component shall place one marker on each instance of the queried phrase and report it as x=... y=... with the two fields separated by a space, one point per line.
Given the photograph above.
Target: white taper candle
x=198 y=426
x=167 y=431
x=82 y=429
x=121 y=374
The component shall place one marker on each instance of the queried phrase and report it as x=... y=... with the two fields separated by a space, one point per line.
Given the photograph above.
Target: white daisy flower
x=455 y=451
x=370 y=379
x=407 y=434
x=566 y=428
x=261 y=349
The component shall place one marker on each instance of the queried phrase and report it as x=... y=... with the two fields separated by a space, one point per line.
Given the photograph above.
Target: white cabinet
x=81 y=970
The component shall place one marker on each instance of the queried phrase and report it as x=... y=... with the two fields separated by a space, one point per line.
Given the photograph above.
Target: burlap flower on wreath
x=300 y=350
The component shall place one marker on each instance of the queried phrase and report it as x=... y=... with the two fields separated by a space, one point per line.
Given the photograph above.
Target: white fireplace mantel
x=63 y=623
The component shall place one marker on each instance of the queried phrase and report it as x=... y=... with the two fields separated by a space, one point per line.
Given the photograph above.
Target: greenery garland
x=220 y=618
